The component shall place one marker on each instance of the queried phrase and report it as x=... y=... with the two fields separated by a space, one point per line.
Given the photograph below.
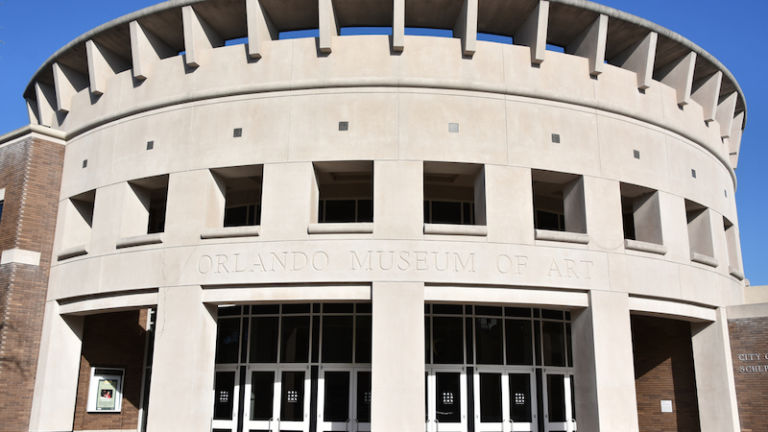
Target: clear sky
x=734 y=31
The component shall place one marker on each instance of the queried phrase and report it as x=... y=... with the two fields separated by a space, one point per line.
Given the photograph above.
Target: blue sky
x=733 y=31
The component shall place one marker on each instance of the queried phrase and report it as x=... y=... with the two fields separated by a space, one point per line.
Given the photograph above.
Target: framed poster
x=105 y=390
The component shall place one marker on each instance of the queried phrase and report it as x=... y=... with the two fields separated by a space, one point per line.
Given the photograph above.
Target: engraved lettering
x=421 y=261
x=444 y=267
x=320 y=260
x=299 y=257
x=570 y=270
x=403 y=262
x=239 y=267
x=391 y=260
x=357 y=264
x=204 y=264
x=462 y=266
x=554 y=269
x=221 y=264
x=276 y=259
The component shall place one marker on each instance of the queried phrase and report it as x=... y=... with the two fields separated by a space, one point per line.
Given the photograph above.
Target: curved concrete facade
x=599 y=181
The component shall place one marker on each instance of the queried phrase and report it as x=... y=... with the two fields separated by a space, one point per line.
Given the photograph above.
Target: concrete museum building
x=527 y=224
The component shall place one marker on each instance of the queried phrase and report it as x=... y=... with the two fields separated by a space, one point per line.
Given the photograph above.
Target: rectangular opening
x=732 y=243
x=241 y=187
x=78 y=222
x=640 y=214
x=345 y=191
x=2 y=202
x=558 y=201
x=454 y=193
x=699 y=230
x=151 y=194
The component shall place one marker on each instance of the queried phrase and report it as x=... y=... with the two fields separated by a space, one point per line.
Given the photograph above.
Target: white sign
x=666 y=406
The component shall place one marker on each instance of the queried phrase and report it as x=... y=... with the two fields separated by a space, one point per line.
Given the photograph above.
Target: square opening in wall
x=732 y=243
x=78 y=220
x=558 y=201
x=147 y=205
x=345 y=191
x=454 y=193
x=241 y=187
x=640 y=213
x=699 y=231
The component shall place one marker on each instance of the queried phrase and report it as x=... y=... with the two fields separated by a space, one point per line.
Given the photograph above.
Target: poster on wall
x=106 y=390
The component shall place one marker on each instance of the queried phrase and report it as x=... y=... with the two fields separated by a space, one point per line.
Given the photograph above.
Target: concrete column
x=46 y=104
x=466 y=27
x=146 y=49
x=640 y=59
x=398 y=25
x=397 y=366
x=102 y=65
x=288 y=199
x=718 y=410
x=260 y=28
x=199 y=37
x=533 y=32
x=58 y=366
x=604 y=375
x=603 y=213
x=707 y=95
x=679 y=76
x=181 y=392
x=724 y=114
x=398 y=198
x=195 y=202
x=509 y=204
x=591 y=44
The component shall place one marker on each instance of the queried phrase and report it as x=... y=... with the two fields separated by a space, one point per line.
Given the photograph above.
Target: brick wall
x=749 y=347
x=112 y=340
x=30 y=172
x=664 y=370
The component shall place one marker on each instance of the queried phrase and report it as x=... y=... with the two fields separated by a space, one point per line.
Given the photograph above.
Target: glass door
x=446 y=399
x=558 y=402
x=504 y=401
x=344 y=399
x=279 y=399
x=225 y=396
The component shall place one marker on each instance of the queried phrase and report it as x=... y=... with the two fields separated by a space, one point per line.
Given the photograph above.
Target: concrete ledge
x=340 y=228
x=518 y=296
x=562 y=236
x=111 y=302
x=20 y=256
x=72 y=252
x=304 y=293
x=141 y=240
x=229 y=232
x=703 y=259
x=671 y=309
x=746 y=311
x=735 y=273
x=450 y=229
x=645 y=246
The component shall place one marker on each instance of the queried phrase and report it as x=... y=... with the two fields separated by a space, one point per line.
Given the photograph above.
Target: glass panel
x=224 y=396
x=568 y=344
x=488 y=310
x=262 y=392
x=427 y=341
x=446 y=212
x=236 y=216
x=554 y=344
x=365 y=211
x=517 y=312
x=263 y=347
x=552 y=314
x=336 y=397
x=364 y=397
x=363 y=339
x=448 y=394
x=292 y=398
x=555 y=398
x=337 y=308
x=295 y=339
x=490 y=397
x=519 y=343
x=337 y=339
x=520 y=397
x=448 y=335
x=573 y=399
x=363 y=308
x=339 y=211
x=292 y=308
x=488 y=340
x=227 y=340
x=447 y=309
x=271 y=309
x=229 y=311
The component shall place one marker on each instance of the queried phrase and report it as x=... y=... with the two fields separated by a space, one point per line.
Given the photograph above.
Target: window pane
x=337 y=339
x=490 y=397
x=292 y=398
x=548 y=221
x=236 y=216
x=447 y=309
x=262 y=390
x=520 y=397
x=227 y=340
x=365 y=211
x=448 y=340
x=296 y=308
x=556 y=398
x=224 y=397
x=488 y=340
x=336 y=397
x=295 y=339
x=363 y=339
x=263 y=348
x=448 y=396
x=554 y=344
x=519 y=343
x=363 y=397
x=446 y=212
x=339 y=211
x=329 y=308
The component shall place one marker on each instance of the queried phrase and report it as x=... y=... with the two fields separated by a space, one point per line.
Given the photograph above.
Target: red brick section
x=112 y=340
x=664 y=370
x=30 y=172
x=749 y=348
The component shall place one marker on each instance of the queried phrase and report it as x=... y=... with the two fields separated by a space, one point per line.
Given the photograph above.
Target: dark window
x=242 y=215
x=263 y=347
x=228 y=340
x=337 y=339
x=489 y=343
x=363 y=339
x=224 y=398
x=157 y=211
x=448 y=338
x=295 y=339
x=519 y=343
x=336 y=397
x=549 y=221
x=262 y=389
x=554 y=343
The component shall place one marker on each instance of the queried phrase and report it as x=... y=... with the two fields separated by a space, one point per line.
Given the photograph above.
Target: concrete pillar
x=181 y=392
x=603 y=213
x=195 y=202
x=640 y=59
x=146 y=49
x=466 y=27
x=679 y=76
x=509 y=204
x=398 y=198
x=199 y=37
x=397 y=366
x=591 y=44
x=718 y=410
x=288 y=200
x=260 y=28
x=58 y=366
x=603 y=363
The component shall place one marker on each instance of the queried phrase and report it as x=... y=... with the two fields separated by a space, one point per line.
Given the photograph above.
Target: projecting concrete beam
x=102 y=65
x=199 y=37
x=640 y=59
x=724 y=116
x=32 y=112
x=533 y=32
x=46 y=102
x=398 y=25
x=67 y=82
x=466 y=27
x=591 y=44
x=734 y=141
x=707 y=95
x=260 y=28
x=679 y=76
x=329 y=26
x=146 y=48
